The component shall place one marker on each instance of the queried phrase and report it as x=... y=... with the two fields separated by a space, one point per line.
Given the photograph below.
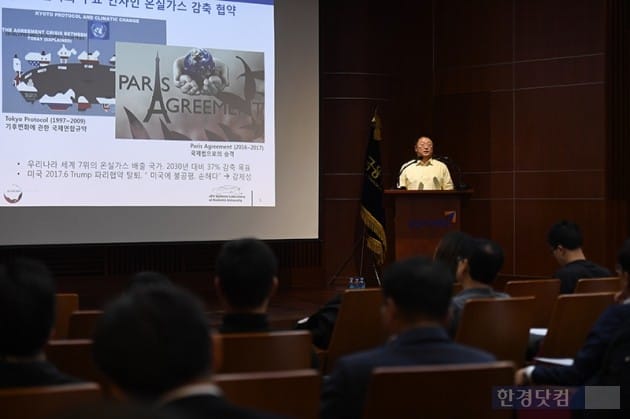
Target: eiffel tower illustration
x=157 y=95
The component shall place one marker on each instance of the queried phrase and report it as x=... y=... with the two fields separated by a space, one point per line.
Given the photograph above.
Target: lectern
x=421 y=218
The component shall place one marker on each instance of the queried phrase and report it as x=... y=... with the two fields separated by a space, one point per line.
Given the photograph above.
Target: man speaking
x=424 y=172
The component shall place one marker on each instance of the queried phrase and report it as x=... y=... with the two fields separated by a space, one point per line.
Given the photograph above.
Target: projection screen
x=151 y=121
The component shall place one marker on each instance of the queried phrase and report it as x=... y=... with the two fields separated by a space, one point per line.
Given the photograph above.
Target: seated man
x=480 y=261
x=565 y=240
x=27 y=314
x=246 y=276
x=245 y=279
x=153 y=344
x=591 y=357
x=416 y=296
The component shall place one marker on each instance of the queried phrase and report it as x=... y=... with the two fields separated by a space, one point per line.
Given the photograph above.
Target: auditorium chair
x=453 y=391
x=294 y=393
x=544 y=290
x=65 y=305
x=46 y=401
x=572 y=319
x=82 y=323
x=497 y=325
x=74 y=357
x=589 y=285
x=265 y=351
x=358 y=326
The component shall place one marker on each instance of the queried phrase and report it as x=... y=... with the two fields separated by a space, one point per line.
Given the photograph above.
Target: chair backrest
x=65 y=305
x=358 y=326
x=82 y=323
x=589 y=285
x=572 y=319
x=42 y=402
x=451 y=391
x=544 y=290
x=497 y=325
x=293 y=393
x=267 y=351
x=74 y=357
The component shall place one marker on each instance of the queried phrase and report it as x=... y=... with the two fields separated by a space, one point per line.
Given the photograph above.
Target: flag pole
x=371 y=211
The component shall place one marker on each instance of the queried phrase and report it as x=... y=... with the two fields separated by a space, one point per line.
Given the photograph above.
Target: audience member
x=448 y=249
x=565 y=240
x=588 y=360
x=154 y=345
x=27 y=313
x=416 y=295
x=480 y=261
x=246 y=278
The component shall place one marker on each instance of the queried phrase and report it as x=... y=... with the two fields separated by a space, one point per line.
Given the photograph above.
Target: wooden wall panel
x=561 y=71
x=501 y=131
x=462 y=130
x=473 y=32
x=502 y=230
x=586 y=184
x=560 y=28
x=344 y=134
x=491 y=185
x=560 y=128
x=474 y=79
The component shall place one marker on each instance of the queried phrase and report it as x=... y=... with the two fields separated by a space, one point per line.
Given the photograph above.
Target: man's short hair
x=566 y=234
x=485 y=259
x=448 y=249
x=27 y=307
x=246 y=269
x=152 y=340
x=419 y=287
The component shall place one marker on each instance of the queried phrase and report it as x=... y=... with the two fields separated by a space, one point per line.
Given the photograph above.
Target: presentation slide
x=137 y=103
x=158 y=121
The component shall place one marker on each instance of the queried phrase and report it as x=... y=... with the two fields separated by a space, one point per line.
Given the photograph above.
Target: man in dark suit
x=27 y=313
x=153 y=344
x=417 y=294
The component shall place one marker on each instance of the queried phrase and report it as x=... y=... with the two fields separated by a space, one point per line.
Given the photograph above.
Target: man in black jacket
x=153 y=344
x=416 y=295
x=27 y=314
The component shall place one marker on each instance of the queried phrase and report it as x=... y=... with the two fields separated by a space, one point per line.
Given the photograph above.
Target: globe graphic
x=198 y=64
